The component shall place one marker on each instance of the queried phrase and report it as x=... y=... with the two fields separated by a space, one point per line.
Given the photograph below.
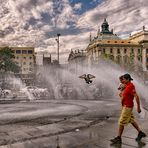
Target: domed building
x=122 y=51
x=108 y=44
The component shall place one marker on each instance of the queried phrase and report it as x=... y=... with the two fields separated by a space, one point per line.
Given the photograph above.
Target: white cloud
x=77 y=6
x=32 y=22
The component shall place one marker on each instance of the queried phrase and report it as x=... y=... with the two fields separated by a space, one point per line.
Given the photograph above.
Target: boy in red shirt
x=128 y=95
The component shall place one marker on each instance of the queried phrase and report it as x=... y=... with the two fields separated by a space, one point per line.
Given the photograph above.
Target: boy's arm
x=121 y=96
x=138 y=102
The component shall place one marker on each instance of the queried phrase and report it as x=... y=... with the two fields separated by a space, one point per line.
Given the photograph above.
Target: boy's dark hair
x=127 y=77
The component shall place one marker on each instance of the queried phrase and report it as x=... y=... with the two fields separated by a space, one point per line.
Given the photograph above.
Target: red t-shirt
x=128 y=95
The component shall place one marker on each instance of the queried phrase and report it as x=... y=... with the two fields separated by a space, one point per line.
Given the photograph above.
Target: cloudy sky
x=37 y=22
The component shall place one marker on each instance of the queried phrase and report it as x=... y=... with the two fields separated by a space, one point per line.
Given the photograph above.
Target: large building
x=108 y=44
x=24 y=57
x=76 y=59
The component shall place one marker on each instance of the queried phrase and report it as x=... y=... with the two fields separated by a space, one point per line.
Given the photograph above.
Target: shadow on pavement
x=141 y=144
x=116 y=145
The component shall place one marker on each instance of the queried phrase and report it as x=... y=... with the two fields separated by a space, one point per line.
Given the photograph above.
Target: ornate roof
x=105 y=34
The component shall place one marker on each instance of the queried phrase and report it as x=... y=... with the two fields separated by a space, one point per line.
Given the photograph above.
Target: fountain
x=65 y=84
x=62 y=83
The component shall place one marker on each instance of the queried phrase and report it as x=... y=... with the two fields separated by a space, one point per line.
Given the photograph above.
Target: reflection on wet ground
x=66 y=124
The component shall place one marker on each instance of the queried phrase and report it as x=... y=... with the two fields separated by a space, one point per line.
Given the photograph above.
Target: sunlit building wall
x=107 y=44
x=24 y=57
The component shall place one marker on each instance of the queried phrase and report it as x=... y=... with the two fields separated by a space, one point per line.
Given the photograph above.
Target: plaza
x=64 y=123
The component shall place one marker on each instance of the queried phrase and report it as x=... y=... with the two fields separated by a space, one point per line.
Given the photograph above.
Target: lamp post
x=2 y=74
x=58 y=42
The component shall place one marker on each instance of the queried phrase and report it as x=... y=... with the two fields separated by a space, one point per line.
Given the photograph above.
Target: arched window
x=118 y=51
x=125 y=50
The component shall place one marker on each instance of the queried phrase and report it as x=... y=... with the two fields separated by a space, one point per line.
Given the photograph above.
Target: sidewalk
x=78 y=132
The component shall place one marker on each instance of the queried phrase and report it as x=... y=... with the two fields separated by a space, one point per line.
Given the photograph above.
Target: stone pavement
x=89 y=130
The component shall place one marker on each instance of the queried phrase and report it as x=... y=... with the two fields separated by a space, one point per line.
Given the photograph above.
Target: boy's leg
x=118 y=140
x=136 y=126
x=120 y=131
x=140 y=133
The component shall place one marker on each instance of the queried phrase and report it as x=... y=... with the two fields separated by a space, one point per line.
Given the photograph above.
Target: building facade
x=108 y=44
x=77 y=60
x=24 y=57
x=142 y=39
x=123 y=51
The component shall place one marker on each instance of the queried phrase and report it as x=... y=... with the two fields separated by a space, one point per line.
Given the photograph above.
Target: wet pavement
x=65 y=124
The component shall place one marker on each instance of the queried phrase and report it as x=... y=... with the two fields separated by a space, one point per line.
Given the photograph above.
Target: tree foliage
x=7 y=62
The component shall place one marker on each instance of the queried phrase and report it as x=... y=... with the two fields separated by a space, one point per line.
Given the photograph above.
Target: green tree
x=7 y=63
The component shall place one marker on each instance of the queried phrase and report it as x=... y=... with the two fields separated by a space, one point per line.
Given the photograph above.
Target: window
x=115 y=41
x=18 y=51
x=24 y=57
x=24 y=51
x=125 y=59
x=139 y=50
x=17 y=57
x=139 y=58
x=30 y=58
x=125 y=50
x=146 y=50
x=132 y=50
x=147 y=60
x=30 y=52
x=111 y=50
x=103 y=50
x=24 y=63
x=111 y=57
x=30 y=63
x=118 y=51
x=118 y=59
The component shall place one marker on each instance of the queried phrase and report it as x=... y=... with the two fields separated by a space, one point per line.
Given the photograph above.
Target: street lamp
x=2 y=75
x=58 y=42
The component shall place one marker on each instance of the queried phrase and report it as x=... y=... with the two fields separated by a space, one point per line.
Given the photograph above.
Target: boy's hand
x=120 y=94
x=138 y=110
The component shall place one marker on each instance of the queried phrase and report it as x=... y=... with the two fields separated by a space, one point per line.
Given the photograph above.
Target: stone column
x=144 y=59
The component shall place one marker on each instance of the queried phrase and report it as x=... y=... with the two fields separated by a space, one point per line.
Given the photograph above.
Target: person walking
x=128 y=95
